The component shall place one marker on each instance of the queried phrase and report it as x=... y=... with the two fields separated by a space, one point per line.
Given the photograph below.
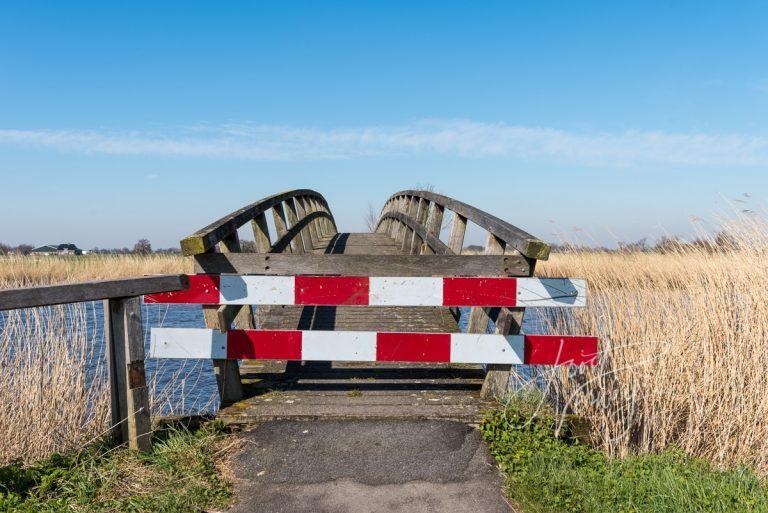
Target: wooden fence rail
x=124 y=336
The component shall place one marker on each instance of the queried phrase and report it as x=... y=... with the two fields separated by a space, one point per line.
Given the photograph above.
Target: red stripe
x=203 y=289
x=556 y=350
x=263 y=345
x=334 y=290
x=479 y=291
x=413 y=347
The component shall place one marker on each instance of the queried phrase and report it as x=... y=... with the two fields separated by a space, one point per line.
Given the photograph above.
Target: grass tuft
x=548 y=470
x=180 y=475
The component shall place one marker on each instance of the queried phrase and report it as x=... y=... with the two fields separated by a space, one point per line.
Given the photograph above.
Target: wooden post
x=227 y=371
x=131 y=418
x=306 y=208
x=413 y=205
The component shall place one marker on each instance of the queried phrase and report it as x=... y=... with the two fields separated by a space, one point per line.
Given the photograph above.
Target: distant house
x=57 y=249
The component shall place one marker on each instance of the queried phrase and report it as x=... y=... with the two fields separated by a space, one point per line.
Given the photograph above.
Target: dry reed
x=684 y=348
x=54 y=395
x=22 y=271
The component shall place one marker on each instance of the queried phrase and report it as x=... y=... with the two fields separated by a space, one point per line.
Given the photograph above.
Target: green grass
x=180 y=475
x=546 y=473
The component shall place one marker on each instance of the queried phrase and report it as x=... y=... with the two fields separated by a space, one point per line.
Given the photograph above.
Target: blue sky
x=121 y=120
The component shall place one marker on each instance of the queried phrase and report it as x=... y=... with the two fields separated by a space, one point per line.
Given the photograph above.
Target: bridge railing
x=414 y=218
x=301 y=217
x=302 y=220
x=124 y=338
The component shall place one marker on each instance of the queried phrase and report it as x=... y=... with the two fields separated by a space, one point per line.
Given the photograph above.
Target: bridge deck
x=357 y=390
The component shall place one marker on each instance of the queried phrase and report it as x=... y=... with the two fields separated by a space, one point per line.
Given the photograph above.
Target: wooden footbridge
x=319 y=323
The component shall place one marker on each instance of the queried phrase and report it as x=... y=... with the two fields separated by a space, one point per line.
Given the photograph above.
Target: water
x=185 y=386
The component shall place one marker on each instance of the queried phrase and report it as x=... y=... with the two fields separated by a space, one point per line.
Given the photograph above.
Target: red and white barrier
x=377 y=291
x=362 y=346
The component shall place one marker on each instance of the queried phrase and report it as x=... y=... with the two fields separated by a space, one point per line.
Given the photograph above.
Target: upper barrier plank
x=286 y=264
x=377 y=291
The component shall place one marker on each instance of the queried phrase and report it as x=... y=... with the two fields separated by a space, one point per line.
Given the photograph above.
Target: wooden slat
x=296 y=243
x=361 y=265
x=513 y=236
x=434 y=225
x=458 y=230
x=90 y=291
x=261 y=233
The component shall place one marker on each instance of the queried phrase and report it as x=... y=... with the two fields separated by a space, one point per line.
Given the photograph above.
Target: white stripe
x=406 y=291
x=551 y=292
x=350 y=346
x=257 y=290
x=187 y=343
x=477 y=348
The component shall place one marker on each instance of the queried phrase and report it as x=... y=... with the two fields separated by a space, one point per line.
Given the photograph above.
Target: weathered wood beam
x=90 y=291
x=283 y=264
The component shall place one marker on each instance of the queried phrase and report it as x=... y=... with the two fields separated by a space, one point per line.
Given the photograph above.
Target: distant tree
x=24 y=249
x=142 y=247
x=5 y=249
x=371 y=218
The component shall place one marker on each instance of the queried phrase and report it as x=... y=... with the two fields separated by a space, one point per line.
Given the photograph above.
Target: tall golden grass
x=684 y=348
x=24 y=271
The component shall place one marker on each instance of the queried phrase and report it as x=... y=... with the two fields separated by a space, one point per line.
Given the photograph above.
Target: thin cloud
x=466 y=139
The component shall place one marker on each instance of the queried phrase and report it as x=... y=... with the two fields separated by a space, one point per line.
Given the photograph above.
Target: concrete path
x=362 y=466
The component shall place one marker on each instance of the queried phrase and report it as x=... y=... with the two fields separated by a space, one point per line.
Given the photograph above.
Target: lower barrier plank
x=369 y=346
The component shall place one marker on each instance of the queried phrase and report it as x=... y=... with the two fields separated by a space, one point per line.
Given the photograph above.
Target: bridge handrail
x=300 y=203
x=415 y=204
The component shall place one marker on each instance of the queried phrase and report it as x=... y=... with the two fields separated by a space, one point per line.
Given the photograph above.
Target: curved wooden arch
x=508 y=235
x=299 y=203
x=438 y=246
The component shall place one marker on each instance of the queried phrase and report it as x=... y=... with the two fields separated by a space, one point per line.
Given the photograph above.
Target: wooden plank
x=296 y=243
x=306 y=209
x=227 y=371
x=278 y=264
x=458 y=230
x=89 y=291
x=206 y=238
x=281 y=224
x=513 y=236
x=129 y=394
x=261 y=233
x=306 y=237
x=434 y=225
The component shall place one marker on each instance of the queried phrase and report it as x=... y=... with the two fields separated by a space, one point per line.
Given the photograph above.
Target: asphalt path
x=362 y=466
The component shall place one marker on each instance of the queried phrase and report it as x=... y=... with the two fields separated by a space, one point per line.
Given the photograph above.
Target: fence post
x=129 y=397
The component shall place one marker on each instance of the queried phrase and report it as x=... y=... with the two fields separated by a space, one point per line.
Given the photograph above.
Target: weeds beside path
x=180 y=475
x=549 y=473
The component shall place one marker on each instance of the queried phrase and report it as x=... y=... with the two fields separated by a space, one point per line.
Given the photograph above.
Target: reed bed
x=24 y=271
x=54 y=395
x=684 y=348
